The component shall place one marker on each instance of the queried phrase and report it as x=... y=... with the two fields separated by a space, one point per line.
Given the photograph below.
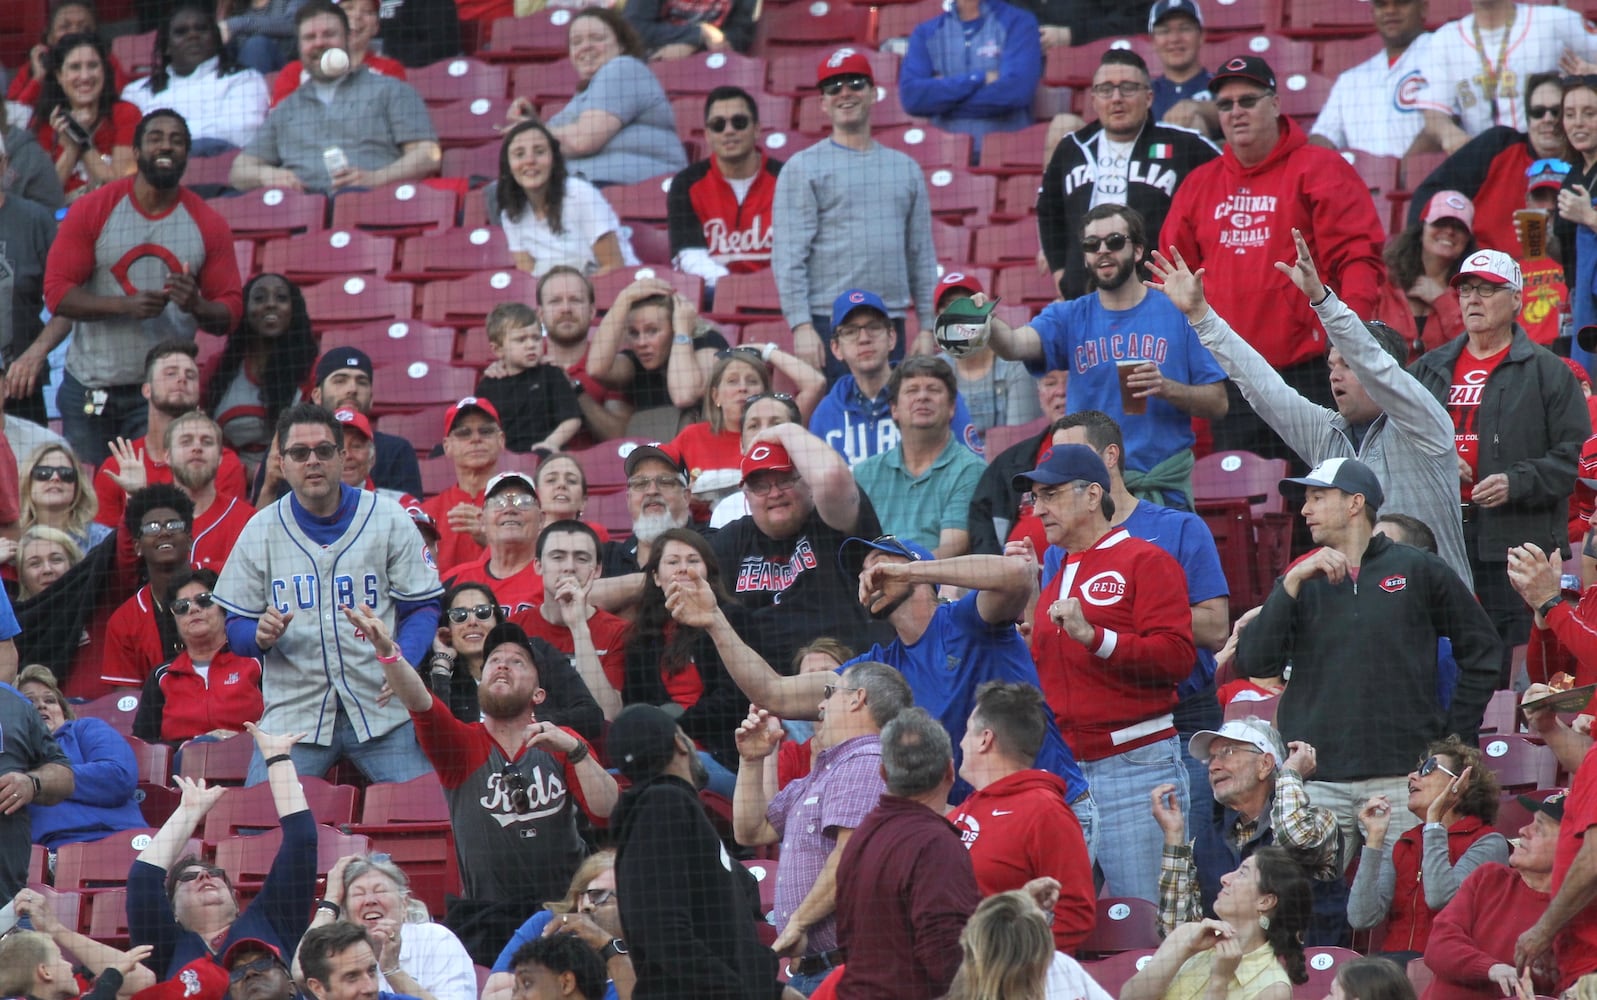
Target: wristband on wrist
x=1548 y=605
x=578 y=754
x=392 y=658
x=280 y=758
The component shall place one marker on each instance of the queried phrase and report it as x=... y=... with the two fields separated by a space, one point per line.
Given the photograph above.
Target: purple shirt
x=838 y=793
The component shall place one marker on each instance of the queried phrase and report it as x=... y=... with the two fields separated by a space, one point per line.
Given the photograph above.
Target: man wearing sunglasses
x=473 y=442
x=852 y=214
x=141 y=634
x=256 y=971
x=973 y=68
x=720 y=208
x=1236 y=214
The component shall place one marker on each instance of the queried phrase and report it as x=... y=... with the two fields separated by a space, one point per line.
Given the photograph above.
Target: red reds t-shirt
x=1464 y=403
x=1576 y=945
x=609 y=639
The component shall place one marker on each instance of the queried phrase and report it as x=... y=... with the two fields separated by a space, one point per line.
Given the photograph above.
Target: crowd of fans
x=953 y=693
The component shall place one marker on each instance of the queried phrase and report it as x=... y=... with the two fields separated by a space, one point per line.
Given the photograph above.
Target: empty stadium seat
x=248 y=859
x=225 y=762
x=423 y=429
x=1323 y=965
x=468 y=301
x=471 y=162
x=1336 y=56
x=607 y=287
x=545 y=81
x=1007 y=153
x=1014 y=242
x=609 y=510
x=604 y=464
x=703 y=72
x=104 y=863
x=437 y=474
x=952 y=243
x=1242 y=475
x=454 y=254
x=1285 y=55
x=135 y=53
x=401 y=340
x=421 y=384
x=1312 y=18
x=357 y=300
x=1004 y=436
x=819 y=24
x=1379 y=173
x=106 y=919
x=1025 y=284
x=1017 y=197
x=539 y=36
x=1123 y=925
x=1518 y=762
x=316 y=257
x=957 y=195
x=116 y=708
x=154 y=760
x=244 y=258
x=396 y=210
x=643 y=201
x=900 y=20
x=209 y=171
x=460 y=79
x=752 y=294
x=1303 y=95
x=930 y=147
x=246 y=811
x=474 y=122
x=651 y=244
x=1221 y=16
x=38 y=863
x=266 y=213
x=409 y=821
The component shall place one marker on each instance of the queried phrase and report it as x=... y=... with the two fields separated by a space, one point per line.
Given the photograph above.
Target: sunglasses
x=598 y=897
x=1431 y=764
x=1541 y=166
x=302 y=453
x=45 y=473
x=194 y=873
x=741 y=353
x=834 y=86
x=719 y=124
x=183 y=605
x=1116 y=242
x=262 y=965
x=483 y=612
x=1540 y=111
x=1245 y=103
x=520 y=501
x=156 y=527
x=831 y=689
x=516 y=784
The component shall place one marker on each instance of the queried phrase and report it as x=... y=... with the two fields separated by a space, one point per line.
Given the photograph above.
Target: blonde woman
x=57 y=493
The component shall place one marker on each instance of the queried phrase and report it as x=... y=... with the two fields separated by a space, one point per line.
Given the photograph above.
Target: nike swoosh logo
x=1002 y=812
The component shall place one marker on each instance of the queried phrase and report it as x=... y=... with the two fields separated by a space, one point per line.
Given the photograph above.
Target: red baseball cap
x=766 y=456
x=244 y=946
x=469 y=403
x=844 y=62
x=201 y=979
x=956 y=280
x=353 y=419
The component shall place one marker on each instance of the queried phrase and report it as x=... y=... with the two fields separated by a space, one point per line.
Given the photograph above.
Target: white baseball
x=335 y=62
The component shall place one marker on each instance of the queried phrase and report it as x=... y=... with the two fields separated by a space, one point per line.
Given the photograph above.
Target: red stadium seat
x=225 y=762
x=1518 y=762
x=609 y=510
x=1115 y=972
x=67 y=906
x=154 y=760
x=1263 y=708
x=1324 y=964
x=1337 y=56
x=1502 y=713
x=822 y=23
x=396 y=210
x=607 y=287
x=1379 y=173
x=1013 y=242
x=472 y=162
x=209 y=170
x=1025 y=284
x=747 y=295
x=157 y=803
x=454 y=254
x=402 y=340
x=1285 y=55
x=604 y=464
x=1003 y=436
x=1017 y=196
x=962 y=196
x=1123 y=925
x=474 y=122
x=544 y=81
x=107 y=917
x=450 y=80
x=1303 y=95
x=540 y=37
x=437 y=474
x=318 y=256
x=247 y=859
x=1074 y=66
x=135 y=53
x=952 y=243
x=651 y=244
x=900 y=20
x=1230 y=522
x=1223 y=16
x=1226 y=475
x=271 y=212
x=242 y=812
x=1420 y=976
x=702 y=73
x=38 y=863
x=104 y=863
x=116 y=708
x=358 y=300
x=423 y=429
x=244 y=257
x=468 y=301
x=930 y=147
x=1007 y=153
x=422 y=384
x=410 y=822
x=643 y=201
x=1312 y=18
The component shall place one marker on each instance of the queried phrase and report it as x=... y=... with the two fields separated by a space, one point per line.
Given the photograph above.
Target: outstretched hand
x=366 y=620
x=1302 y=271
x=271 y=744
x=1172 y=276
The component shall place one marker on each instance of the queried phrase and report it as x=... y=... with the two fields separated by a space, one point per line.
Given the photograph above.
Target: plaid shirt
x=1306 y=831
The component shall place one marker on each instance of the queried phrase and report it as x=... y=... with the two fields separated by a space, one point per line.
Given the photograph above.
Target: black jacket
x=1090 y=20
x=710 y=721
x=688 y=907
x=1363 y=657
x=1532 y=423
x=1162 y=156
x=996 y=500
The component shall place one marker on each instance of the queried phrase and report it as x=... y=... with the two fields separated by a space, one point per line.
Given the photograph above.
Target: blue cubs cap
x=848 y=552
x=855 y=298
x=1065 y=463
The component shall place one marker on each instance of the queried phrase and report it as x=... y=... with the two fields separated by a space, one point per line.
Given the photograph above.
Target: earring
x=1264 y=922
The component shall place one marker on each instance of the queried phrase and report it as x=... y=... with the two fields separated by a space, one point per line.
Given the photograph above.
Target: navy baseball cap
x=1249 y=68
x=641 y=741
x=1346 y=474
x=891 y=544
x=1065 y=463
x=855 y=298
x=1552 y=805
x=340 y=358
x=1164 y=8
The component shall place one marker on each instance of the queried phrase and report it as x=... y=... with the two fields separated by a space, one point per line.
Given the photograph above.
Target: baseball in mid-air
x=335 y=62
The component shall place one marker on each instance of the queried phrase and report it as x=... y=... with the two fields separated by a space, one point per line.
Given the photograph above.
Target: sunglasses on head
x=45 y=473
x=1116 y=242
x=834 y=86
x=482 y=611
x=1431 y=764
x=181 y=606
x=718 y=124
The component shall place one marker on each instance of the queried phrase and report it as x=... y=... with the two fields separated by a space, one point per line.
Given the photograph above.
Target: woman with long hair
x=1008 y=951
x=59 y=604
x=1253 y=951
x=549 y=217
x=740 y=374
x=67 y=17
x=259 y=373
x=78 y=120
x=1417 y=299
x=56 y=494
x=1575 y=208
x=563 y=491
x=195 y=75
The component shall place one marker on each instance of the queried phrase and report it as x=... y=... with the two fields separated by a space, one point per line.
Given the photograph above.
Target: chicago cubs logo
x=1393 y=584
x=1407 y=92
x=1105 y=589
x=857 y=297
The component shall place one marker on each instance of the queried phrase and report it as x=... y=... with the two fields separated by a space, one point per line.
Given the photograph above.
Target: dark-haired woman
x=551 y=218
x=67 y=17
x=222 y=101
x=1417 y=299
x=77 y=101
x=266 y=360
x=1254 y=951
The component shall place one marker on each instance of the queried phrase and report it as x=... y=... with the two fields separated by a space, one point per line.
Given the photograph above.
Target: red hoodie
x=1019 y=828
x=1237 y=221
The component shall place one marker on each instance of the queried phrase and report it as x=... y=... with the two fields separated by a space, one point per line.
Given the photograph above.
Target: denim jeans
x=807 y=984
x=1086 y=811
x=1121 y=787
x=393 y=756
x=126 y=414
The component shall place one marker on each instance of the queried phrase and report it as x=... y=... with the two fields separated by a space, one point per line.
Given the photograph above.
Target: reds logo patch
x=760 y=453
x=1105 y=589
x=427 y=557
x=1236 y=64
x=1393 y=584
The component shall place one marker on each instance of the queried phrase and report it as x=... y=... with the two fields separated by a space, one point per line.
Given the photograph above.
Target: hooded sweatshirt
x=1238 y=221
x=857 y=427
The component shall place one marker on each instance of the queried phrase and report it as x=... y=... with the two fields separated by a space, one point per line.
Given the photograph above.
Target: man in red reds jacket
x=1236 y=215
x=719 y=208
x=1112 y=637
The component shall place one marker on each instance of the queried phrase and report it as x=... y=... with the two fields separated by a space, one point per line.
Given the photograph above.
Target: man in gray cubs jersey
x=322 y=547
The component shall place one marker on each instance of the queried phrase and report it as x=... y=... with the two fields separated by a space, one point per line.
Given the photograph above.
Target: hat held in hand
x=963 y=328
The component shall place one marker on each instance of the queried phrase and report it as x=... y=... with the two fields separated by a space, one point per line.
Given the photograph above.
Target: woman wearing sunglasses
x=1406 y=884
x=550 y=218
x=55 y=494
x=207 y=690
x=740 y=374
x=589 y=910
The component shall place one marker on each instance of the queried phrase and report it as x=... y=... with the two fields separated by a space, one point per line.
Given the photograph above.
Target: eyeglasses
x=183 y=605
x=1116 y=242
x=849 y=334
x=483 y=612
x=45 y=473
x=1540 y=111
x=520 y=501
x=598 y=897
x=718 y=124
x=1484 y=289
x=1224 y=753
x=156 y=527
x=515 y=783
x=765 y=487
x=194 y=873
x=1248 y=103
x=834 y=86
x=831 y=689
x=665 y=484
x=302 y=453
x=1431 y=764
x=262 y=965
x=1127 y=88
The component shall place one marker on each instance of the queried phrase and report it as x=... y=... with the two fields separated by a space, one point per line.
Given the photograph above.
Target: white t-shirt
x=585 y=217
x=1453 y=65
x=1111 y=182
x=229 y=108
x=1374 y=107
x=437 y=960
x=1067 y=980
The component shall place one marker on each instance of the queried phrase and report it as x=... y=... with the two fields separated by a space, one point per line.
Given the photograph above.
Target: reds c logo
x=1393 y=584
x=1105 y=589
x=760 y=452
x=1236 y=64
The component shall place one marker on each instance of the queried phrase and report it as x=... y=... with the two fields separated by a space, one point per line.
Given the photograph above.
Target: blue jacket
x=944 y=75
x=105 y=776
x=858 y=428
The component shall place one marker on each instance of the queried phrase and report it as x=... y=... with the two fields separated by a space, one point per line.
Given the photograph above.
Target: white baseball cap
x=1494 y=266
x=1253 y=731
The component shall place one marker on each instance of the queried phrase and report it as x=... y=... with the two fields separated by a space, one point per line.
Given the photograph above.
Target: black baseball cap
x=1552 y=805
x=1346 y=474
x=340 y=358
x=641 y=741
x=1249 y=68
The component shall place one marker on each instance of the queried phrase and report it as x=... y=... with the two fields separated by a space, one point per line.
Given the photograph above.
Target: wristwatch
x=38 y=787
x=614 y=948
x=1550 y=604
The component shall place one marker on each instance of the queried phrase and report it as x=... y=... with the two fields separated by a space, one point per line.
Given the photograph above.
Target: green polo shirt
x=918 y=508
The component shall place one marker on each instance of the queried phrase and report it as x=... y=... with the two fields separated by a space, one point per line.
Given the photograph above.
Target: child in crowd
x=536 y=402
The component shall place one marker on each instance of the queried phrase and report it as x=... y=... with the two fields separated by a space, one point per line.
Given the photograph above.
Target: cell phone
x=77 y=132
x=335 y=160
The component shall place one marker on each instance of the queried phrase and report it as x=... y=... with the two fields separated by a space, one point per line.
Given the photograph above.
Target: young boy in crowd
x=537 y=406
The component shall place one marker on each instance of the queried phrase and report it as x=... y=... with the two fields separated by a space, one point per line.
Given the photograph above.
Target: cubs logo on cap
x=852 y=299
x=1491 y=266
